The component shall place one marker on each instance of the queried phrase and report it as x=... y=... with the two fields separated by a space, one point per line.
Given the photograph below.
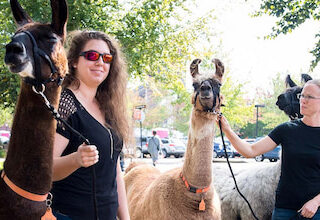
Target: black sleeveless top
x=72 y=196
x=300 y=163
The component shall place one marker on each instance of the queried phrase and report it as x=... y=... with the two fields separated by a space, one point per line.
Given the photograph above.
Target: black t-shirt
x=73 y=195
x=300 y=163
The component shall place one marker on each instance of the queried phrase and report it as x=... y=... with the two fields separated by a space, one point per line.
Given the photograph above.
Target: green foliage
x=269 y=116
x=6 y=116
x=236 y=110
x=9 y=83
x=291 y=15
x=3 y=154
x=249 y=130
x=155 y=38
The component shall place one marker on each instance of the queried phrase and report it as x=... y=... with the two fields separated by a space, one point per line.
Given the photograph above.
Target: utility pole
x=139 y=116
x=257 y=118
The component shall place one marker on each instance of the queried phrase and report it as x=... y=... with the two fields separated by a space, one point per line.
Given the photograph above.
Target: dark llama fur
x=288 y=101
x=29 y=159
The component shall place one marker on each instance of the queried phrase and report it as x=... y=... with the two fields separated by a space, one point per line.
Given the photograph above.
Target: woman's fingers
x=87 y=155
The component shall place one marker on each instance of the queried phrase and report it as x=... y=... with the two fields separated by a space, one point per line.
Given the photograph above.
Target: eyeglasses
x=307 y=97
x=94 y=56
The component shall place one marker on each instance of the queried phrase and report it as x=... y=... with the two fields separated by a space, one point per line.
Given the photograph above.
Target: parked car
x=236 y=153
x=144 y=150
x=218 y=149
x=168 y=147
x=4 y=142
x=250 y=140
x=272 y=155
x=172 y=147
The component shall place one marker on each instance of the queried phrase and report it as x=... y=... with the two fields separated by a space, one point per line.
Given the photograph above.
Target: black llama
x=288 y=101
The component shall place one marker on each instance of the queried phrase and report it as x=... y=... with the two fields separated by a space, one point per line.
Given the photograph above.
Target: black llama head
x=288 y=101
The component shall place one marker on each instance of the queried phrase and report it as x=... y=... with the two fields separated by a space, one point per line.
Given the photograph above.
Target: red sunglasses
x=94 y=56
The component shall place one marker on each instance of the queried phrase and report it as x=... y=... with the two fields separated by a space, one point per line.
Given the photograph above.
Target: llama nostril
x=15 y=47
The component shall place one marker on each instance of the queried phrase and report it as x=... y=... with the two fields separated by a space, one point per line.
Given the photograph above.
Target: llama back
x=257 y=184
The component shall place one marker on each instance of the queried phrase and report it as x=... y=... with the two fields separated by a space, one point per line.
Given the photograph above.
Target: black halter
x=293 y=102
x=37 y=53
x=294 y=115
x=215 y=94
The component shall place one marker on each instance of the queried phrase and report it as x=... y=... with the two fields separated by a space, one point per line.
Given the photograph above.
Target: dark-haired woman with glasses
x=93 y=103
x=298 y=191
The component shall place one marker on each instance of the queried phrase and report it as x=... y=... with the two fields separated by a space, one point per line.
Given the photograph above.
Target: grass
x=1 y=165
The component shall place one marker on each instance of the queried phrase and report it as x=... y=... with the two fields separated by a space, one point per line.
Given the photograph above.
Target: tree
x=291 y=15
x=270 y=115
x=237 y=110
x=6 y=116
x=155 y=37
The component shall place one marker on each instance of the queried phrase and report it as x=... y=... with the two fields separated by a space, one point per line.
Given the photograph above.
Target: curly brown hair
x=111 y=93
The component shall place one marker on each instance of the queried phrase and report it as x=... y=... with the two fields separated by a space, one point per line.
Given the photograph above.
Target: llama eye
x=52 y=40
x=195 y=85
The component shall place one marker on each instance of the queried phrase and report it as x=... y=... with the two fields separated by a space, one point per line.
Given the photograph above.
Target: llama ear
x=305 y=78
x=20 y=15
x=219 y=69
x=289 y=82
x=59 y=17
x=194 y=68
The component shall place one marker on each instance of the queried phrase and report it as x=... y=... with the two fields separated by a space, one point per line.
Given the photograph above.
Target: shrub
x=3 y=153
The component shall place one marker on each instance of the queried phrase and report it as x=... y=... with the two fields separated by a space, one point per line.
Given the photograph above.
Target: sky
x=251 y=58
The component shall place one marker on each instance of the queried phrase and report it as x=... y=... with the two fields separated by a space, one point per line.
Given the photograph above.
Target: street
x=166 y=164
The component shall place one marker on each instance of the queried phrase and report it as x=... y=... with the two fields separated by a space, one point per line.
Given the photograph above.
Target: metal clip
x=49 y=200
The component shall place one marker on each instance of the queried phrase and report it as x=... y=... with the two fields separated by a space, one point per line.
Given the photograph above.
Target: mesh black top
x=72 y=196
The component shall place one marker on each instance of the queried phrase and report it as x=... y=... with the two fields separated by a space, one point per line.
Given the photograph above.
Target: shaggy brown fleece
x=163 y=196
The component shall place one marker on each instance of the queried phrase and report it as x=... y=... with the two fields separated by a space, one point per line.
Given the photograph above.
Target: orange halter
x=202 y=205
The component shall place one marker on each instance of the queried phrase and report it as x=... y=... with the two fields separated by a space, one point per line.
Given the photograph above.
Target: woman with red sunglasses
x=93 y=103
x=298 y=191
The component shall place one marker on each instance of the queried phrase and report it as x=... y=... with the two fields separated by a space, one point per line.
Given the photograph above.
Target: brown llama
x=187 y=192
x=36 y=53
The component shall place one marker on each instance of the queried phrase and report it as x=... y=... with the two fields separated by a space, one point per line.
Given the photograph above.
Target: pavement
x=166 y=164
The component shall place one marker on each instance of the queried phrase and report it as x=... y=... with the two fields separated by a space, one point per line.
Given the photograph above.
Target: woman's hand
x=309 y=209
x=87 y=155
x=224 y=123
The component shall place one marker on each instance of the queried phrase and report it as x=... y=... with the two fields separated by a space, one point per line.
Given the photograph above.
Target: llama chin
x=27 y=71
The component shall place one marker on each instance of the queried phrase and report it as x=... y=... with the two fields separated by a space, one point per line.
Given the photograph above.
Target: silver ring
x=38 y=92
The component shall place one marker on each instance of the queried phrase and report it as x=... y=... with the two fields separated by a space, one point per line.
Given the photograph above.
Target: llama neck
x=29 y=159
x=197 y=166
